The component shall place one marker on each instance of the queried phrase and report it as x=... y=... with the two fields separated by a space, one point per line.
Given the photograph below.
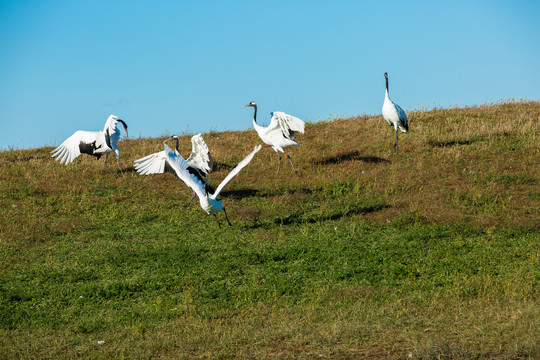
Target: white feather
x=200 y=157
x=236 y=170
x=179 y=165
x=286 y=123
x=151 y=164
x=69 y=150
x=112 y=125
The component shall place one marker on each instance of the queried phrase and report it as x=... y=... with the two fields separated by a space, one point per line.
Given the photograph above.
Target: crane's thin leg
x=105 y=164
x=190 y=201
x=279 y=162
x=226 y=217
x=217 y=221
x=289 y=157
x=118 y=162
x=395 y=145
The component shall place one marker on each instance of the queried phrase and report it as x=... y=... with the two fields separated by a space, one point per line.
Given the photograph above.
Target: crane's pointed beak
x=246 y=105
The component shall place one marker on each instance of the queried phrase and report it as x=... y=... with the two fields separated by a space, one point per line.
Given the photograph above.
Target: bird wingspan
x=200 y=157
x=182 y=170
x=151 y=164
x=235 y=171
x=70 y=149
x=288 y=124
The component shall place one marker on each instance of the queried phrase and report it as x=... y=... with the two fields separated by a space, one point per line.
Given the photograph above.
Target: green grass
x=430 y=254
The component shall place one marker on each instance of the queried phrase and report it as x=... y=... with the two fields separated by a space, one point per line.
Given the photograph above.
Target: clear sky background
x=169 y=67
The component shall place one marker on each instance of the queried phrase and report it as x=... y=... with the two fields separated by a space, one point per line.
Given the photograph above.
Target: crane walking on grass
x=200 y=160
x=394 y=115
x=95 y=143
x=194 y=180
x=280 y=133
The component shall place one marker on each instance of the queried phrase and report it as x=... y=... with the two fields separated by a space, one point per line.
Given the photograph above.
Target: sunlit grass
x=432 y=253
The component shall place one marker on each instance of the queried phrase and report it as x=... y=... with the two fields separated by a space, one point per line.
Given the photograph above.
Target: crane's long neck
x=177 y=141
x=255 y=114
x=260 y=129
x=255 y=125
x=386 y=86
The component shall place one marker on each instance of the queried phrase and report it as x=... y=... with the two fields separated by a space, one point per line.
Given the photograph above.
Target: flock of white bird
x=279 y=134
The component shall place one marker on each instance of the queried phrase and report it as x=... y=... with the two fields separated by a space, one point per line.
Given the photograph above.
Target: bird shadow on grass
x=447 y=143
x=245 y=193
x=239 y=194
x=351 y=156
x=300 y=217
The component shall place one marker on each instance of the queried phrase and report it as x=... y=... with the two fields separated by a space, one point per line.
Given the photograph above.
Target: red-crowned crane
x=200 y=160
x=280 y=133
x=394 y=115
x=209 y=202
x=95 y=143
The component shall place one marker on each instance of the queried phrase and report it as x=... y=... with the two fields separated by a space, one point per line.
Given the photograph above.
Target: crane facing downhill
x=209 y=202
x=200 y=160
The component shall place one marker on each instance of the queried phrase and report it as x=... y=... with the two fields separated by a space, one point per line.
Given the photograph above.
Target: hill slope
x=432 y=252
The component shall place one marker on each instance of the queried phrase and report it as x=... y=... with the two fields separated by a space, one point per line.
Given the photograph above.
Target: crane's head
x=173 y=137
x=250 y=104
x=386 y=75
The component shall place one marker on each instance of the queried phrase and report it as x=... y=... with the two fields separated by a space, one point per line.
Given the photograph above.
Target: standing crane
x=200 y=160
x=393 y=114
x=209 y=202
x=280 y=133
x=95 y=143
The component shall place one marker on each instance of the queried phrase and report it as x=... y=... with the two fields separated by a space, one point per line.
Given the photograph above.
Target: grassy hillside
x=432 y=253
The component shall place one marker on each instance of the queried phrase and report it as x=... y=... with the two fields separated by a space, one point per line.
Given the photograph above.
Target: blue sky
x=169 y=67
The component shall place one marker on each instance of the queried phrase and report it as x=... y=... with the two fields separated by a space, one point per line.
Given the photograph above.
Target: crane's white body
x=95 y=143
x=280 y=133
x=208 y=202
x=199 y=159
x=394 y=114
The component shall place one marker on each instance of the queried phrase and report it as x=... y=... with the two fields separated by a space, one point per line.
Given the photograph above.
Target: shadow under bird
x=280 y=133
x=200 y=161
x=95 y=143
x=394 y=115
x=208 y=202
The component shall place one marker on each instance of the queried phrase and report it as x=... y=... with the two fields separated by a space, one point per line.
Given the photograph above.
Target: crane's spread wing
x=402 y=118
x=152 y=164
x=159 y=163
x=184 y=172
x=80 y=142
x=200 y=157
x=288 y=124
x=236 y=170
x=112 y=126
